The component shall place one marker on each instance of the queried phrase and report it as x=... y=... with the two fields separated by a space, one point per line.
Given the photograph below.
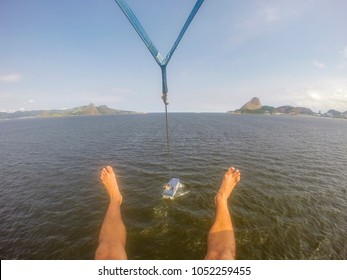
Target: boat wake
x=183 y=190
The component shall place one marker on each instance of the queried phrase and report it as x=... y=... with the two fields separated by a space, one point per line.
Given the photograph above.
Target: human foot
x=109 y=180
x=231 y=178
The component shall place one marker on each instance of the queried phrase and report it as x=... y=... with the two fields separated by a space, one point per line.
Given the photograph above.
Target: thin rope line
x=168 y=140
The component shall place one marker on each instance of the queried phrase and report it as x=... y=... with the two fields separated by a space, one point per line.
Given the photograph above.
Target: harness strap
x=150 y=45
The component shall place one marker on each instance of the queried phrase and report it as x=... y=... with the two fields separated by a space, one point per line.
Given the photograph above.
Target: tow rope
x=162 y=62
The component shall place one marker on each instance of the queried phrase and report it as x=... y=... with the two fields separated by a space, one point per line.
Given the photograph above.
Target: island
x=88 y=110
x=254 y=106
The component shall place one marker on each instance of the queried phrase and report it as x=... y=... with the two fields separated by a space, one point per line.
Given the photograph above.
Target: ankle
x=221 y=197
x=116 y=199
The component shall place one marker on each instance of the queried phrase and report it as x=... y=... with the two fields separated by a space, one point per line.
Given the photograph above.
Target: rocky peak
x=90 y=110
x=253 y=104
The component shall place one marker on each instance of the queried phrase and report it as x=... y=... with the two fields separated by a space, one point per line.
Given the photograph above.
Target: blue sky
x=63 y=54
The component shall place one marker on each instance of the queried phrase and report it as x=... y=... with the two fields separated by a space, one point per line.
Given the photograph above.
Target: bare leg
x=112 y=236
x=221 y=240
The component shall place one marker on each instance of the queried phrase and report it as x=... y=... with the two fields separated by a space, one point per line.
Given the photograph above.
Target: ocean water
x=291 y=202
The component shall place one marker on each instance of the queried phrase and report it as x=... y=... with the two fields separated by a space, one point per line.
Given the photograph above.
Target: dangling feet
x=231 y=178
x=109 y=180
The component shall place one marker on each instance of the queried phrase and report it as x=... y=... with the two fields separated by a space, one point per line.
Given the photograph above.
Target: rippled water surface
x=291 y=202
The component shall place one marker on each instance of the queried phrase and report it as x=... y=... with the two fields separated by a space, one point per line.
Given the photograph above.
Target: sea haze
x=291 y=202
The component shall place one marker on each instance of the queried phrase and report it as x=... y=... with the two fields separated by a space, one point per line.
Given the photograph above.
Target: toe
x=230 y=170
x=109 y=169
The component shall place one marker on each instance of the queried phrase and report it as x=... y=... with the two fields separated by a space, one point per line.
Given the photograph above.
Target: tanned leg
x=112 y=236
x=221 y=239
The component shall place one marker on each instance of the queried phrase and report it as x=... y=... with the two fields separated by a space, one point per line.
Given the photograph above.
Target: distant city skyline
x=64 y=54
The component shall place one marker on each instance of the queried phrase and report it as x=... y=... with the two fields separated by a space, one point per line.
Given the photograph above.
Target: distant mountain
x=254 y=107
x=253 y=104
x=89 y=110
x=294 y=110
x=334 y=114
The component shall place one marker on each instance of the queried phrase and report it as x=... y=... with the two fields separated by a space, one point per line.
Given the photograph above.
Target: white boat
x=171 y=188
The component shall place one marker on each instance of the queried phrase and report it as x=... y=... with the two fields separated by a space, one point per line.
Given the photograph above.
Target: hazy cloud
x=318 y=64
x=270 y=14
x=264 y=15
x=10 y=78
x=344 y=52
x=328 y=95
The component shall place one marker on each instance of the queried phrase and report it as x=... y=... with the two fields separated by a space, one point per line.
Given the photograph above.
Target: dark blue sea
x=291 y=202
